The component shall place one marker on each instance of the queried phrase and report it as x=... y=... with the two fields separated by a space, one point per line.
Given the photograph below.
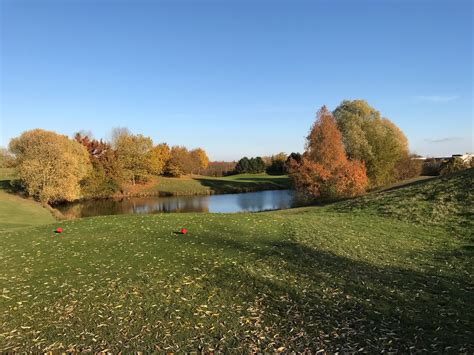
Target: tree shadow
x=341 y=304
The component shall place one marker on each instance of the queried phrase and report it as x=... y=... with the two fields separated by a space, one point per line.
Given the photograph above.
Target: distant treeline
x=54 y=168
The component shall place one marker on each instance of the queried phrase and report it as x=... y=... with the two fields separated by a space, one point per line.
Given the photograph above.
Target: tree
x=50 y=166
x=158 y=158
x=116 y=133
x=106 y=176
x=134 y=154
x=277 y=165
x=7 y=160
x=199 y=159
x=324 y=170
x=368 y=137
x=257 y=165
x=180 y=162
x=242 y=166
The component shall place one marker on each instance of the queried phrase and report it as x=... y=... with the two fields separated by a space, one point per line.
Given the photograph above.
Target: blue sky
x=236 y=77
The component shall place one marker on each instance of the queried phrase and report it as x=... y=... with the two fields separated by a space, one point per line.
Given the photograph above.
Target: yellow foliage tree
x=158 y=158
x=199 y=159
x=49 y=165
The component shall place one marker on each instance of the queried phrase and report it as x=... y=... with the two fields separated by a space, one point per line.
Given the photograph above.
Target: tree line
x=54 y=168
x=347 y=151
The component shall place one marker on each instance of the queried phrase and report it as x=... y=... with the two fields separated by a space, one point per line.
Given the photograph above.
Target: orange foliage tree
x=325 y=170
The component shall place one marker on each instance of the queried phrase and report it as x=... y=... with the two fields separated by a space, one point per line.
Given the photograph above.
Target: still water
x=228 y=203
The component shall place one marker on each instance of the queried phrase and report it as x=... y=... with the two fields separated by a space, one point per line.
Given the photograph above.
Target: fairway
x=206 y=185
x=294 y=280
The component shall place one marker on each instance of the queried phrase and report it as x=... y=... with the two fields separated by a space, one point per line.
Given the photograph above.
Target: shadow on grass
x=8 y=187
x=340 y=304
x=244 y=184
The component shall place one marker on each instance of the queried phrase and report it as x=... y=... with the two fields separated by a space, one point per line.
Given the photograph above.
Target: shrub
x=453 y=165
x=407 y=167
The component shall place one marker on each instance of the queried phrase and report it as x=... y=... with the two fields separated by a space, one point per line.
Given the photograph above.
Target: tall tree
x=180 y=162
x=134 y=154
x=158 y=158
x=324 y=170
x=200 y=160
x=369 y=137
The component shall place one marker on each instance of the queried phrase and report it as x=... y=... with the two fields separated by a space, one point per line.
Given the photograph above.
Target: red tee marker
x=59 y=230
x=183 y=231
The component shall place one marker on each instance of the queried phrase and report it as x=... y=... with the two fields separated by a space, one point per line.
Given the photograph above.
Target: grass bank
x=16 y=211
x=317 y=278
x=207 y=185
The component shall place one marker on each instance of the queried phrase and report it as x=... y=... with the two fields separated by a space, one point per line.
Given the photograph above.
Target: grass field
x=380 y=278
x=205 y=185
x=16 y=211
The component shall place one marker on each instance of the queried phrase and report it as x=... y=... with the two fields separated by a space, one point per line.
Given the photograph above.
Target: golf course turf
x=391 y=271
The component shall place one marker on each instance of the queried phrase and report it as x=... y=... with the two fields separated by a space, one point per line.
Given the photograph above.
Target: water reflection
x=229 y=203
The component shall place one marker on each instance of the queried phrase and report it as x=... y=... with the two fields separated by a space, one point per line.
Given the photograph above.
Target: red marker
x=59 y=230
x=183 y=231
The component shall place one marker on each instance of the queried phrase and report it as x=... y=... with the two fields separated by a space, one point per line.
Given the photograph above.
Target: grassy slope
x=204 y=185
x=310 y=278
x=16 y=211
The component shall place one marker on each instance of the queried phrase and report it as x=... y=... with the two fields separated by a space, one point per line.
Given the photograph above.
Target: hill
x=442 y=201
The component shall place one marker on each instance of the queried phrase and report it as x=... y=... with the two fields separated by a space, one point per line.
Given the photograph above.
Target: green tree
x=242 y=166
x=368 y=137
x=50 y=166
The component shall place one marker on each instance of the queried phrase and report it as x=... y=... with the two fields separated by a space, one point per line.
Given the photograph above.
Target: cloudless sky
x=236 y=77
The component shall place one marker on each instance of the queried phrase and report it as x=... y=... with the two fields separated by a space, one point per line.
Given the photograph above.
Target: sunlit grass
x=305 y=279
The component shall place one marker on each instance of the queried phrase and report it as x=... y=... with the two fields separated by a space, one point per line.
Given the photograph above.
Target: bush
x=408 y=167
x=50 y=166
x=453 y=165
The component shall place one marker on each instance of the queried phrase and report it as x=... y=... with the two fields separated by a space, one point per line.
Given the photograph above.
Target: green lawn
x=16 y=211
x=305 y=279
x=205 y=185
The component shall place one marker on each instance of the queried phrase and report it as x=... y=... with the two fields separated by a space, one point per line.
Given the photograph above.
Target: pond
x=227 y=203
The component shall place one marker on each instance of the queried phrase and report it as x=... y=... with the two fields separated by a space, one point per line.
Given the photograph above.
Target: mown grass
x=16 y=211
x=205 y=185
x=305 y=279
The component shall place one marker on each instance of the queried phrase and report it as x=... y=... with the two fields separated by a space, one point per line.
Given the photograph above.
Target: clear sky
x=236 y=77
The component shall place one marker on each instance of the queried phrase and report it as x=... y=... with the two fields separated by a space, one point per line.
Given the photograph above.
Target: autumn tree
x=159 y=156
x=179 y=163
x=7 y=160
x=134 y=153
x=324 y=170
x=49 y=165
x=199 y=159
x=106 y=176
x=369 y=137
